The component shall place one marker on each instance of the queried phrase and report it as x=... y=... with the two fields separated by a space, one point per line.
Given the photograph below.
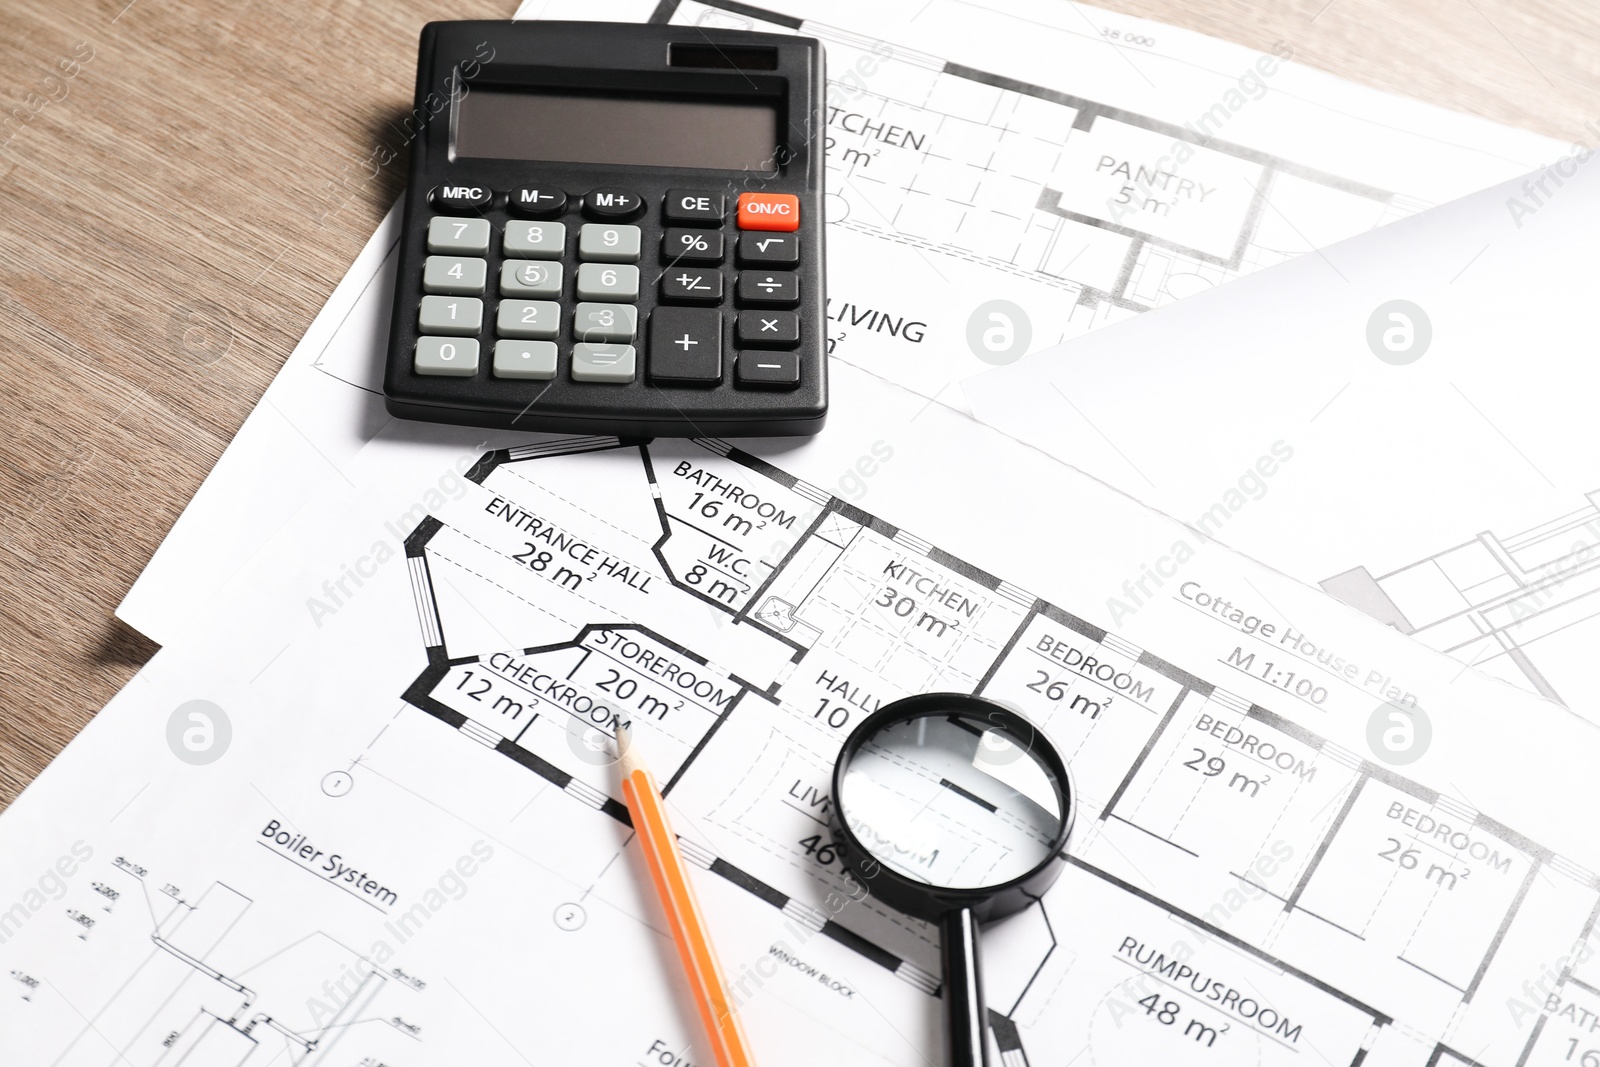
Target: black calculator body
x=613 y=229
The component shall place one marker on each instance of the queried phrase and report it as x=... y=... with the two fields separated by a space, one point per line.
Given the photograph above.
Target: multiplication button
x=688 y=285
x=774 y=288
x=779 y=329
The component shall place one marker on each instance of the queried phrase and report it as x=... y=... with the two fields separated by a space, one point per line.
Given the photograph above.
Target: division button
x=536 y=319
x=616 y=204
x=692 y=205
x=767 y=370
x=691 y=246
x=608 y=244
x=779 y=329
x=769 y=211
x=689 y=285
x=535 y=240
x=602 y=363
x=604 y=323
x=776 y=288
x=608 y=281
x=455 y=275
x=459 y=237
x=525 y=359
x=460 y=315
x=537 y=201
x=530 y=277
x=446 y=357
x=686 y=345
x=769 y=249
x=462 y=198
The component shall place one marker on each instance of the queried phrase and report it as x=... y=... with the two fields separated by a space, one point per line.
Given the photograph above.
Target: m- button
x=769 y=211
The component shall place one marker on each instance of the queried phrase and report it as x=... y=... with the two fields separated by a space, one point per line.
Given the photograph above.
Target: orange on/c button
x=769 y=211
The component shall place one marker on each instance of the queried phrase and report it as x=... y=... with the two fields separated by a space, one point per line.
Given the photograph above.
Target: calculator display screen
x=638 y=131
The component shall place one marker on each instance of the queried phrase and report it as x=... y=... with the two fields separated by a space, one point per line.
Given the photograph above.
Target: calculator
x=613 y=229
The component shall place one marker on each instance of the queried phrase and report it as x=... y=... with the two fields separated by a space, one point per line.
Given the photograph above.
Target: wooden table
x=163 y=251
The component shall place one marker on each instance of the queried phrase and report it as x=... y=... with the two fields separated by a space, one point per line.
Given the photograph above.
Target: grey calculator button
x=604 y=322
x=461 y=237
x=601 y=242
x=461 y=315
x=447 y=357
x=602 y=363
x=539 y=319
x=525 y=359
x=603 y=281
x=535 y=240
x=530 y=277
x=453 y=274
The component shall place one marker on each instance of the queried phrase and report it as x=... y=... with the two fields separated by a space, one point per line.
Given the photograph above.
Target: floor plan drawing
x=1236 y=882
x=1520 y=606
x=938 y=166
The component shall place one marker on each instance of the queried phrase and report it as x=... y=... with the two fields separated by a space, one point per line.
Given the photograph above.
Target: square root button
x=686 y=346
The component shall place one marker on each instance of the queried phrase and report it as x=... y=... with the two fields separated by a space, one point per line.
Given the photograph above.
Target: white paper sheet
x=1303 y=837
x=1453 y=496
x=978 y=156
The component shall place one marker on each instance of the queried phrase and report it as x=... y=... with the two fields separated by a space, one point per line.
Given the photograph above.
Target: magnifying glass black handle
x=965 y=1016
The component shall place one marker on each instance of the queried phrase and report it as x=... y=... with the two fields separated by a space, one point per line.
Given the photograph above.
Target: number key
x=459 y=315
x=604 y=323
x=536 y=319
x=453 y=274
x=533 y=278
x=599 y=243
x=466 y=237
x=604 y=281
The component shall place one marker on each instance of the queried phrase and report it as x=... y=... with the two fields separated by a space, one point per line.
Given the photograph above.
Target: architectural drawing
x=1236 y=883
x=1521 y=607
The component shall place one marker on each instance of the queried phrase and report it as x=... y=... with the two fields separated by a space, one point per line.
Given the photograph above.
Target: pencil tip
x=627 y=757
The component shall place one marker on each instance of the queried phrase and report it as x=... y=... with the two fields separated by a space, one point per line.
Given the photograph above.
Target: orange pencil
x=660 y=846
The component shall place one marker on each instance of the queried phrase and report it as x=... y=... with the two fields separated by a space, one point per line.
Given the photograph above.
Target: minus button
x=767 y=370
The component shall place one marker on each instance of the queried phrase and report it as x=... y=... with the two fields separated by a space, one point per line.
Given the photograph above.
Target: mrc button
x=769 y=211
x=462 y=197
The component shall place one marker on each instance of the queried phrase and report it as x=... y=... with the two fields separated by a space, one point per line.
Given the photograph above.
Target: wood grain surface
x=182 y=184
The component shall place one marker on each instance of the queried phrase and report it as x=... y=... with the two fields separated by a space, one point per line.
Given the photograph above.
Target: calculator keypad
x=682 y=344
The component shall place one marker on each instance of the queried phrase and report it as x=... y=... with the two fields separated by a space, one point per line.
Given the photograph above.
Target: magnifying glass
x=956 y=810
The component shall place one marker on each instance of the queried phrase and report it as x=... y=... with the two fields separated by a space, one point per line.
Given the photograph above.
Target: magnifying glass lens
x=952 y=800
